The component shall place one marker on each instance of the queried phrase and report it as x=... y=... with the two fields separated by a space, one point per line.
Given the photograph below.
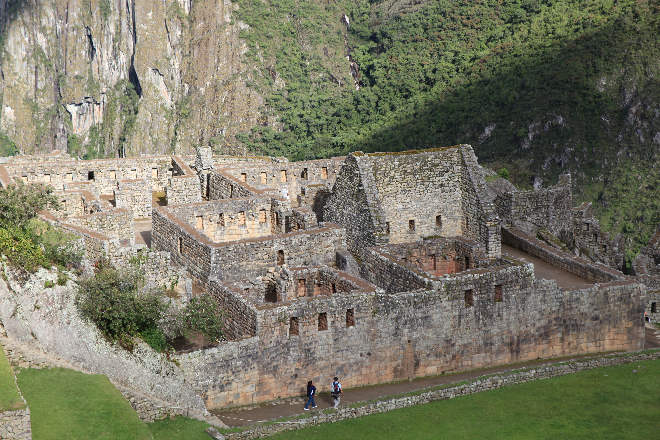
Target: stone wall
x=354 y=208
x=549 y=208
x=224 y=186
x=240 y=319
x=243 y=258
x=565 y=261
x=253 y=257
x=402 y=197
x=117 y=223
x=405 y=335
x=50 y=320
x=484 y=383
x=135 y=196
x=15 y=425
x=230 y=219
x=183 y=187
x=101 y=174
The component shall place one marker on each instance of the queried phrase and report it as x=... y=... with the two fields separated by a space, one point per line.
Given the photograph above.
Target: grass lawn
x=9 y=398
x=604 y=403
x=66 y=404
x=179 y=428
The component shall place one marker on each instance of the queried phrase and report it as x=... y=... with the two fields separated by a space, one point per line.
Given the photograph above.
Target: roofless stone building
x=373 y=267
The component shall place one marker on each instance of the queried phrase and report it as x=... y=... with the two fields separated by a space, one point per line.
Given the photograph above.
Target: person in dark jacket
x=311 y=392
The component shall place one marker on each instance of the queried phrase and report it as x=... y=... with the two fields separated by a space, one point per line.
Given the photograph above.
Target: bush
x=203 y=315
x=155 y=338
x=21 y=203
x=110 y=300
x=49 y=284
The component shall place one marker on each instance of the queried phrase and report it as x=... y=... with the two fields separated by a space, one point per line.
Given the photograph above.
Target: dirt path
x=542 y=269
x=294 y=406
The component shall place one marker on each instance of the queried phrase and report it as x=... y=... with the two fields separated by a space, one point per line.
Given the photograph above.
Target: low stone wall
x=240 y=316
x=485 y=383
x=183 y=187
x=117 y=223
x=134 y=196
x=577 y=266
x=549 y=208
x=15 y=425
x=223 y=186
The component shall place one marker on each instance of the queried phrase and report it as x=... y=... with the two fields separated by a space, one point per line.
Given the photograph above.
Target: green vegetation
x=537 y=86
x=179 y=428
x=72 y=405
x=7 y=146
x=9 y=397
x=111 y=300
x=606 y=403
x=117 y=303
x=203 y=315
x=29 y=243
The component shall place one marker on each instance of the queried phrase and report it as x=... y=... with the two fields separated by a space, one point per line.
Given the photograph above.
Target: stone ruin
x=372 y=267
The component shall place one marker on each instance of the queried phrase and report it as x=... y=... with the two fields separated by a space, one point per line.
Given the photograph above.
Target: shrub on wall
x=29 y=243
x=111 y=300
x=202 y=314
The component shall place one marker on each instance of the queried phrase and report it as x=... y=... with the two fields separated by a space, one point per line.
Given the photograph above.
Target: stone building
x=373 y=267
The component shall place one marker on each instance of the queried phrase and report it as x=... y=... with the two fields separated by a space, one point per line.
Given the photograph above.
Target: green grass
x=604 y=403
x=66 y=404
x=179 y=428
x=9 y=397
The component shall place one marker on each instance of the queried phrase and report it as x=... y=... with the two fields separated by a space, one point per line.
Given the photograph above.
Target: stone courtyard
x=374 y=267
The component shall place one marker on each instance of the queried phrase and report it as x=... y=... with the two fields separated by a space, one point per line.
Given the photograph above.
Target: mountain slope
x=540 y=87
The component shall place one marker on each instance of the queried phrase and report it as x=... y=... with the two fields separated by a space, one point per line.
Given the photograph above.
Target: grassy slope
x=9 y=398
x=605 y=403
x=179 y=428
x=579 y=77
x=72 y=405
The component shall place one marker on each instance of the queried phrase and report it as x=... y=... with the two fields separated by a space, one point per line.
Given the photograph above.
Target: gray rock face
x=49 y=319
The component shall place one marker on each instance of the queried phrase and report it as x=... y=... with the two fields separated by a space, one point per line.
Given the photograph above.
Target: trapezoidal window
x=387 y=227
x=221 y=220
x=323 y=321
x=469 y=298
x=90 y=175
x=180 y=245
x=304 y=174
x=283 y=176
x=262 y=216
x=154 y=173
x=199 y=222
x=411 y=225
x=301 y=289
x=270 y=296
x=498 y=293
x=243 y=177
x=241 y=218
x=324 y=173
x=280 y=258
x=263 y=178
x=438 y=221
x=654 y=307
x=350 y=317
x=294 y=328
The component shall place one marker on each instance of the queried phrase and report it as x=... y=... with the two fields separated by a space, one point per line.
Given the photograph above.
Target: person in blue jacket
x=311 y=392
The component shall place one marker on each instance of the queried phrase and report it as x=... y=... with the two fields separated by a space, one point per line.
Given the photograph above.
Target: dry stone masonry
x=373 y=267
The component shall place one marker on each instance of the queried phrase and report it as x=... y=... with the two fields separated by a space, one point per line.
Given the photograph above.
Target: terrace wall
x=404 y=335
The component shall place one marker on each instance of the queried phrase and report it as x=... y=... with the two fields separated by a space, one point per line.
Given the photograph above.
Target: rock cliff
x=141 y=76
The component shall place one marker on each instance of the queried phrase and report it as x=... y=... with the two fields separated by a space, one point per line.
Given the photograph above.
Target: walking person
x=335 y=391
x=311 y=392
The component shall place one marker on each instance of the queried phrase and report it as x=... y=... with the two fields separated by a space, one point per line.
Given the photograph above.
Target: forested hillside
x=540 y=87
